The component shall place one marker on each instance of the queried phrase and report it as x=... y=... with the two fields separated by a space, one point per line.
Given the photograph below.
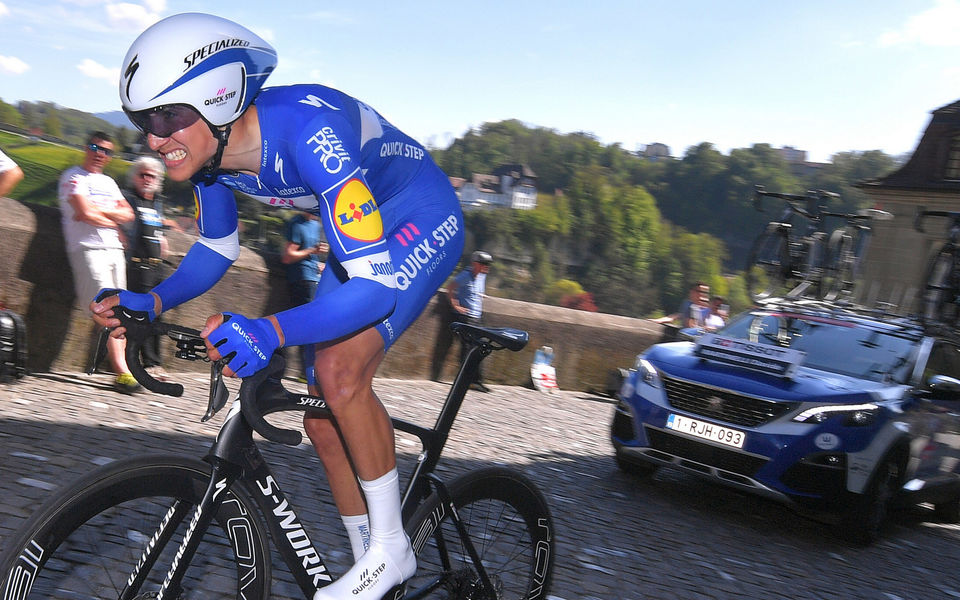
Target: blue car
x=835 y=410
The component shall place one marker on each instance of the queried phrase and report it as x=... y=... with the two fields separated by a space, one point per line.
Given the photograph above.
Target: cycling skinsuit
x=391 y=217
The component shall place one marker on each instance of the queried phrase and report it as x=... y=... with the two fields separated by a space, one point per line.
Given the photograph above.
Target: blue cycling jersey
x=390 y=215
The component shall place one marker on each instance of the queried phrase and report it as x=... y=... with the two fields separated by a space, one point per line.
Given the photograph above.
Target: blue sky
x=820 y=75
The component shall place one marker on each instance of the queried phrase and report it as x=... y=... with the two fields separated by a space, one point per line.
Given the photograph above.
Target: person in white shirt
x=717 y=317
x=92 y=208
x=10 y=175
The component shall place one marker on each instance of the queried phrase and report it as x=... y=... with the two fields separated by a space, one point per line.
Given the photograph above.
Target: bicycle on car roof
x=786 y=263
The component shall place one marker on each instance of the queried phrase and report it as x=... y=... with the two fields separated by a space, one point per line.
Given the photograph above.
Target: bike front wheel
x=90 y=541
x=508 y=522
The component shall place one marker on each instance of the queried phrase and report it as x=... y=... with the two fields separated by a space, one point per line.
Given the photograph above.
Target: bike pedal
x=397 y=592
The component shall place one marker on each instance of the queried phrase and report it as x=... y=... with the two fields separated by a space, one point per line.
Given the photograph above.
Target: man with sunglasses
x=92 y=208
x=192 y=83
x=146 y=244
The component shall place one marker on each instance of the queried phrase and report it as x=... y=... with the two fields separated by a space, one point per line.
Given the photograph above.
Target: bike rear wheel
x=90 y=539
x=943 y=286
x=839 y=273
x=769 y=268
x=507 y=520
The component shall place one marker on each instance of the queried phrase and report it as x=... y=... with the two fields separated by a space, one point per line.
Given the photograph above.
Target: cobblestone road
x=670 y=537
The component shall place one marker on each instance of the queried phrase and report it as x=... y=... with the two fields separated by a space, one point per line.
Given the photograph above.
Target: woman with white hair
x=146 y=246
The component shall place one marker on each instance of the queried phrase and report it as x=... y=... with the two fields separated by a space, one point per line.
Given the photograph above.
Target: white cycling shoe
x=372 y=576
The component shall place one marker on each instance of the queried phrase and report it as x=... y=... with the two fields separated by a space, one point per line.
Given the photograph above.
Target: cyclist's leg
x=328 y=444
x=345 y=371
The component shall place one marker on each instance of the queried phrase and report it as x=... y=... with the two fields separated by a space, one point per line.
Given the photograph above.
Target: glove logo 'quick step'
x=250 y=340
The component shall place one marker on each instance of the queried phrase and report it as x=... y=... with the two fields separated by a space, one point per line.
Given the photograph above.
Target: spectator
x=10 y=175
x=466 y=300
x=693 y=310
x=301 y=254
x=92 y=208
x=146 y=246
x=717 y=317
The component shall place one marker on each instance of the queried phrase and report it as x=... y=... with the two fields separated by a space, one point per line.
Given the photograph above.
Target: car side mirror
x=943 y=387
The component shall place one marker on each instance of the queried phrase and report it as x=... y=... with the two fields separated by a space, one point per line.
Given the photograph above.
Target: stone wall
x=35 y=280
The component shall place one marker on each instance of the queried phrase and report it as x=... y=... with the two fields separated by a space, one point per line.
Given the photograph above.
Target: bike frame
x=808 y=240
x=234 y=456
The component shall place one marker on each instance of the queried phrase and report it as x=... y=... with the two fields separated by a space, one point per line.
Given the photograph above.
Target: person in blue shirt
x=301 y=255
x=193 y=84
x=465 y=293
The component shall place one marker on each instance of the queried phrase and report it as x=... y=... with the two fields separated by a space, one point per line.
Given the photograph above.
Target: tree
x=10 y=115
x=51 y=125
x=560 y=289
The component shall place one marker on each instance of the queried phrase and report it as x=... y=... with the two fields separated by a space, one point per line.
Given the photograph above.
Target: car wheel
x=948 y=512
x=635 y=467
x=866 y=514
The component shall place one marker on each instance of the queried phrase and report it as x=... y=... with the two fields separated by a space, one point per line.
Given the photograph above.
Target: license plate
x=707 y=431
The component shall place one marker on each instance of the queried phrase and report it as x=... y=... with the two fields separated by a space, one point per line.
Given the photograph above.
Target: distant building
x=792 y=155
x=656 y=151
x=797 y=161
x=898 y=254
x=510 y=186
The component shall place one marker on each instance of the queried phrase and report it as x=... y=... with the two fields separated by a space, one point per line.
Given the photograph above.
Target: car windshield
x=830 y=345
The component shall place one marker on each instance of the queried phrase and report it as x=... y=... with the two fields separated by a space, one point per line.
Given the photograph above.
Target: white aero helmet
x=213 y=65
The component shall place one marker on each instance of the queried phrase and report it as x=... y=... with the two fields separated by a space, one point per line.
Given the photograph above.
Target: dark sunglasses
x=164 y=121
x=95 y=148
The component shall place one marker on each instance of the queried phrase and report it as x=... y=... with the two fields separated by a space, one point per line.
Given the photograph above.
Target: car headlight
x=856 y=415
x=647 y=373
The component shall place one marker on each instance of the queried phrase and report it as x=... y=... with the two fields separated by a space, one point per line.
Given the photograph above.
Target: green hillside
x=42 y=163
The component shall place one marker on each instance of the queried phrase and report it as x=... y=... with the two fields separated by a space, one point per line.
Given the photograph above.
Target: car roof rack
x=883 y=312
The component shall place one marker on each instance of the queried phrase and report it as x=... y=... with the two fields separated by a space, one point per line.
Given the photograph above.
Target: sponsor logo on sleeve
x=424 y=254
x=355 y=213
x=328 y=148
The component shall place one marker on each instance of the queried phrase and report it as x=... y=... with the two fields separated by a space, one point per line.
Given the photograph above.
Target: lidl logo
x=356 y=214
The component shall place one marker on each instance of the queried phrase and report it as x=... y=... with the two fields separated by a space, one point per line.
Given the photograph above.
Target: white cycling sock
x=358 y=530
x=389 y=559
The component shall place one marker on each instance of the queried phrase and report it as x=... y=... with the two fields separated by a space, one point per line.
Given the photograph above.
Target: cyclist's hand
x=246 y=345
x=107 y=298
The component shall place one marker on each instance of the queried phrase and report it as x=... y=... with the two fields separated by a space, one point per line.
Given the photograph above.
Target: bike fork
x=447 y=501
x=203 y=514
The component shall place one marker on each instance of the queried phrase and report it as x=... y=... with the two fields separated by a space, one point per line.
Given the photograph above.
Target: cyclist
x=192 y=83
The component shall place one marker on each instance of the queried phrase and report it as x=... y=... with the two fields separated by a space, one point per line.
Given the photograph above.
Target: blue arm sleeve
x=210 y=257
x=349 y=308
x=199 y=271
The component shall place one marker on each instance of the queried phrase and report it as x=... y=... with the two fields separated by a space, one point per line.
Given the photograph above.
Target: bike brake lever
x=218 y=391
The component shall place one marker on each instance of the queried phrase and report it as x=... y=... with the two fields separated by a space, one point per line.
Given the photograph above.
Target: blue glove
x=246 y=345
x=132 y=300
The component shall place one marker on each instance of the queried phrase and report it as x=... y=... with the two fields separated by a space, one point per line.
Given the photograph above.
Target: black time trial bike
x=174 y=527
